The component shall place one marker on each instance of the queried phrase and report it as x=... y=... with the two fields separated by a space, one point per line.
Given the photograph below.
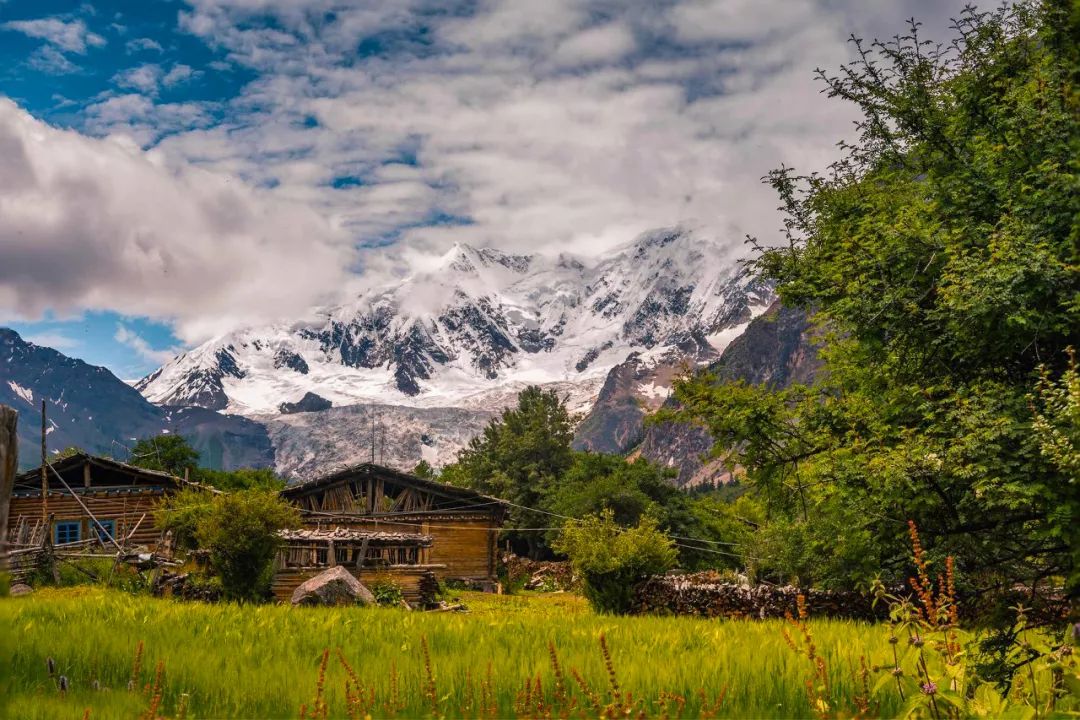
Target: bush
x=387 y=593
x=181 y=513
x=240 y=532
x=611 y=560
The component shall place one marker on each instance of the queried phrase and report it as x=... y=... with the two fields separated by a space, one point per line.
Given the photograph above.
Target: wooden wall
x=407 y=577
x=465 y=547
x=124 y=508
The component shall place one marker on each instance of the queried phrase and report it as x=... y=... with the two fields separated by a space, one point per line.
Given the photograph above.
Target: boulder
x=335 y=586
x=20 y=589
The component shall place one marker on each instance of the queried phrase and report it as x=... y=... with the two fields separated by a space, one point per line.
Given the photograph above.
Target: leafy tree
x=517 y=457
x=630 y=490
x=423 y=469
x=940 y=257
x=173 y=454
x=611 y=559
x=240 y=479
x=166 y=453
x=239 y=529
x=181 y=514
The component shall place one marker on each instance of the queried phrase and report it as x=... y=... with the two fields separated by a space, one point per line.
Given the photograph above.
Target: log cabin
x=122 y=497
x=462 y=524
x=373 y=557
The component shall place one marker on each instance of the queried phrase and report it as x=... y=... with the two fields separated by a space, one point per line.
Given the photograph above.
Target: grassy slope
x=263 y=661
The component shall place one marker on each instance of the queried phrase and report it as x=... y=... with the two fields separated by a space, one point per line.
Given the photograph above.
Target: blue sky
x=180 y=169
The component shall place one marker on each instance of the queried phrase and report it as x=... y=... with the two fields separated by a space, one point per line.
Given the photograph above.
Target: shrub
x=387 y=593
x=611 y=560
x=240 y=532
x=181 y=513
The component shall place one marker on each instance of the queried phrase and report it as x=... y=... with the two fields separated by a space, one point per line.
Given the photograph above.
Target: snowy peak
x=480 y=322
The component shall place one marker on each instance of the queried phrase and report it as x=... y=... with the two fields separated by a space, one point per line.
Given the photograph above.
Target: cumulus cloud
x=100 y=224
x=69 y=35
x=564 y=124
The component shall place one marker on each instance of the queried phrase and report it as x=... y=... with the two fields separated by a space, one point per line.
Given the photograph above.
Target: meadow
x=264 y=661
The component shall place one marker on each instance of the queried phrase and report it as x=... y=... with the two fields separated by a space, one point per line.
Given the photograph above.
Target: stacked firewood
x=706 y=595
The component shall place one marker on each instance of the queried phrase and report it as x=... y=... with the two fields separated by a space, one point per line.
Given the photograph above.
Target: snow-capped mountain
x=478 y=327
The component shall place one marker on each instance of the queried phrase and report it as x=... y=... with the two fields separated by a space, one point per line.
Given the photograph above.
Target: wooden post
x=86 y=474
x=44 y=477
x=9 y=462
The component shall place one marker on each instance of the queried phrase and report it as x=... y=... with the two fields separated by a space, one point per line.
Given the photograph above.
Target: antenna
x=372 y=408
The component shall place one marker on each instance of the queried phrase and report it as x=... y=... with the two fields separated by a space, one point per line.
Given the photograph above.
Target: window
x=109 y=532
x=67 y=531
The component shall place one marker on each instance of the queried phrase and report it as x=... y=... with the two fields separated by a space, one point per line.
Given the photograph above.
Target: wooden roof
x=350 y=535
x=110 y=473
x=452 y=492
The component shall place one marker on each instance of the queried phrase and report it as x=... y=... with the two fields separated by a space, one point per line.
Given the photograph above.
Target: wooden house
x=372 y=556
x=462 y=525
x=122 y=497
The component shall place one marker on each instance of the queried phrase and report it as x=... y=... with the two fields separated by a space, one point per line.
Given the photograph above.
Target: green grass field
x=263 y=661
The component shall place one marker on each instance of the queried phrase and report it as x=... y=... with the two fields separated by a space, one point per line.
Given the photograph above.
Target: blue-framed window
x=67 y=531
x=110 y=528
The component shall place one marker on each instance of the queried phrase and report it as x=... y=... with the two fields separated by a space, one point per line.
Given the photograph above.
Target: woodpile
x=427 y=589
x=705 y=594
x=539 y=574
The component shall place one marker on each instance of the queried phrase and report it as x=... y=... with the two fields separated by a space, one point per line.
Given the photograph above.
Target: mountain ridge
x=480 y=321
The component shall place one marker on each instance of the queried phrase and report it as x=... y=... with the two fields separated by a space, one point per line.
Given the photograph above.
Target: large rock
x=20 y=589
x=335 y=586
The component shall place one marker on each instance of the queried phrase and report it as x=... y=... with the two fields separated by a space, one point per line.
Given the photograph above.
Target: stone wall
x=707 y=595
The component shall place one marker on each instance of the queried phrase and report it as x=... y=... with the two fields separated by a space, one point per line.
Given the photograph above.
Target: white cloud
x=532 y=126
x=608 y=43
x=548 y=125
x=142 y=348
x=51 y=61
x=178 y=75
x=55 y=340
x=144 y=78
x=69 y=35
x=143 y=44
x=100 y=224
x=148 y=78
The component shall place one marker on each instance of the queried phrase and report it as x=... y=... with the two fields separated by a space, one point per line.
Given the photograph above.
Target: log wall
x=124 y=508
x=463 y=547
x=408 y=577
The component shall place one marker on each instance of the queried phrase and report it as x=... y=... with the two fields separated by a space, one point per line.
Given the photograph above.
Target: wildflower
x=897 y=672
x=929 y=688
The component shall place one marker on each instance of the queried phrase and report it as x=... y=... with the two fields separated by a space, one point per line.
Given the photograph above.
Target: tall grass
x=266 y=661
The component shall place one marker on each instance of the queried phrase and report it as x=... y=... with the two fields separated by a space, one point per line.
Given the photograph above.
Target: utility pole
x=9 y=462
x=44 y=475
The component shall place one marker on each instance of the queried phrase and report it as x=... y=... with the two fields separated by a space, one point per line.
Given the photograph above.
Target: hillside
x=90 y=408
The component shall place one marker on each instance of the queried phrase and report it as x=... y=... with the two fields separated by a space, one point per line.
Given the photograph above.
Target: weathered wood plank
x=9 y=462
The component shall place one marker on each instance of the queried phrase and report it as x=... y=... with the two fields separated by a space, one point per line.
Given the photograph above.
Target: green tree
x=239 y=529
x=166 y=453
x=940 y=257
x=611 y=560
x=240 y=479
x=423 y=469
x=517 y=457
x=630 y=490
